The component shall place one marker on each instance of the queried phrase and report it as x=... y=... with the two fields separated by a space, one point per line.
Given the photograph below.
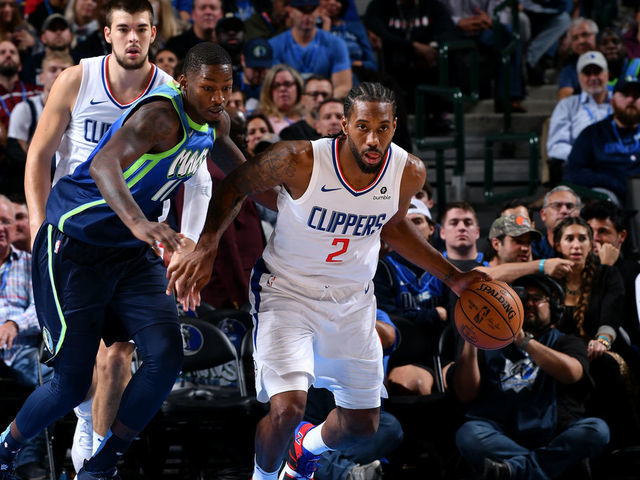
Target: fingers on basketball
x=489 y=314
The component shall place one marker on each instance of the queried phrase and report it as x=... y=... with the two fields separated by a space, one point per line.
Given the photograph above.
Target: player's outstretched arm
x=405 y=239
x=154 y=127
x=52 y=124
x=285 y=163
x=228 y=156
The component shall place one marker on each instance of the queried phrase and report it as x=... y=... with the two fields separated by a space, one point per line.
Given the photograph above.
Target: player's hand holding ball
x=489 y=314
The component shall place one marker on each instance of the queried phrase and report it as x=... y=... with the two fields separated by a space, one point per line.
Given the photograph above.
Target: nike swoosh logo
x=366 y=290
x=93 y=102
x=325 y=189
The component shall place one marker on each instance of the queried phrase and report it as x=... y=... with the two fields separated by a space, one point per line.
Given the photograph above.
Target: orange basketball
x=489 y=314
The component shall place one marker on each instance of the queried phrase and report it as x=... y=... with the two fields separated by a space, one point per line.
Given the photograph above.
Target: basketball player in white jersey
x=312 y=296
x=84 y=101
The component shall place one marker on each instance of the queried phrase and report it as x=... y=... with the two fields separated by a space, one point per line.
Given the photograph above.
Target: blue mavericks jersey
x=76 y=206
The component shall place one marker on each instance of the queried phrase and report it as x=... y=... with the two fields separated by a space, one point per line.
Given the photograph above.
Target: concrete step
x=505 y=171
x=543 y=92
x=488 y=123
x=533 y=106
x=474 y=149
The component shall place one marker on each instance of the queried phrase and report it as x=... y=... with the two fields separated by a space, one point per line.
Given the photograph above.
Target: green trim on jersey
x=63 y=330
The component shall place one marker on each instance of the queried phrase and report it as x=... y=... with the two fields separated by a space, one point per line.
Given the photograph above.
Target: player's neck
x=350 y=169
x=8 y=82
x=127 y=85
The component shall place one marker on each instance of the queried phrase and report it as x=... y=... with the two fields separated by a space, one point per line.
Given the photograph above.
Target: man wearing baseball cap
x=313 y=51
x=256 y=59
x=511 y=237
x=606 y=154
x=573 y=114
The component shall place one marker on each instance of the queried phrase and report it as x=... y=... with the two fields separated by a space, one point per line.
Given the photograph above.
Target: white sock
x=259 y=474
x=97 y=441
x=84 y=409
x=313 y=441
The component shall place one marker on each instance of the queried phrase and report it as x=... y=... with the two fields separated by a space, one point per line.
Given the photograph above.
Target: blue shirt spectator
x=311 y=50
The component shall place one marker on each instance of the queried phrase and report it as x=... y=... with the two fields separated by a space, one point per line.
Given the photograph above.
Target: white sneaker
x=81 y=449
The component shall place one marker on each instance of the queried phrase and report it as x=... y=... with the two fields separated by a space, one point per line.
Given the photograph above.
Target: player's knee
x=362 y=425
x=164 y=355
x=286 y=416
x=70 y=391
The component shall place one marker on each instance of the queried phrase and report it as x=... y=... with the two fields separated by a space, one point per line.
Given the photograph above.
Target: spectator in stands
x=632 y=37
x=559 y=203
x=272 y=20
x=406 y=291
x=612 y=47
x=12 y=89
x=594 y=305
x=313 y=51
x=330 y=113
x=474 y=19
x=510 y=239
x=183 y=7
x=205 y=14
x=256 y=59
x=351 y=31
x=19 y=330
x=45 y=9
x=13 y=28
x=517 y=206
x=606 y=153
x=281 y=95
x=317 y=89
x=526 y=413
x=410 y=31
x=609 y=234
x=166 y=61
x=237 y=101
x=22 y=233
x=230 y=35
x=549 y=22
x=83 y=15
x=23 y=122
x=166 y=24
x=56 y=36
x=582 y=35
x=257 y=127
x=94 y=45
x=572 y=114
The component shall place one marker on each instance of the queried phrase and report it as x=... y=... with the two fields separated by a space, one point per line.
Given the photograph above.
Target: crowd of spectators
x=293 y=61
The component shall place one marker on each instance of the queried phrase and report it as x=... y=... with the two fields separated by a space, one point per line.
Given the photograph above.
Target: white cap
x=592 y=58
x=418 y=206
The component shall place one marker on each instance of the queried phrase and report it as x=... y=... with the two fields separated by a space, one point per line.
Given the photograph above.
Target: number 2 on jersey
x=331 y=258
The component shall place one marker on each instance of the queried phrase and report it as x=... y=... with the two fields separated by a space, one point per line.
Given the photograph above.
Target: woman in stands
x=594 y=300
x=280 y=98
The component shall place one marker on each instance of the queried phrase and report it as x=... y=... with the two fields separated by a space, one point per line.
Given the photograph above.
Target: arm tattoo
x=272 y=167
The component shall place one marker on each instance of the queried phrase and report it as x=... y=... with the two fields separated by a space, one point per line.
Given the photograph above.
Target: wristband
x=525 y=341
x=541 y=265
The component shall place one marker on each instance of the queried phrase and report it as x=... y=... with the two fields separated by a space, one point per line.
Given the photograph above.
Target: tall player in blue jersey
x=95 y=272
x=313 y=303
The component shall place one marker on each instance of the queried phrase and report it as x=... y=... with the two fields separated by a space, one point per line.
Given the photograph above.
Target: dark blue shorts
x=87 y=290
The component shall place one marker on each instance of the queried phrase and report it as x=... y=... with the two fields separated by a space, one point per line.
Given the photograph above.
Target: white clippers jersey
x=331 y=234
x=95 y=110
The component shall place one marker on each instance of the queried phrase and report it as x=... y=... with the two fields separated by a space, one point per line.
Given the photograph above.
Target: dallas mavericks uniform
x=95 y=110
x=75 y=282
x=313 y=303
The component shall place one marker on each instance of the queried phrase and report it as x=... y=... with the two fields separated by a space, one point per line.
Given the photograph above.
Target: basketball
x=489 y=314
